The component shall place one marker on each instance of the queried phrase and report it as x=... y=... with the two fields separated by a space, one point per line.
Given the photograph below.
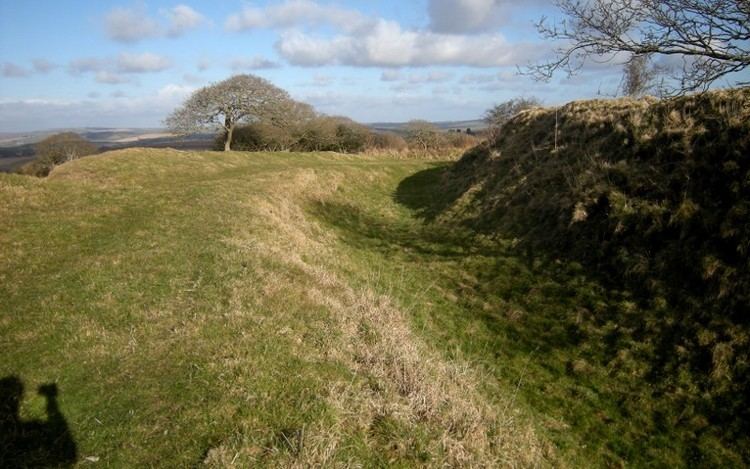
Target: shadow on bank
x=33 y=443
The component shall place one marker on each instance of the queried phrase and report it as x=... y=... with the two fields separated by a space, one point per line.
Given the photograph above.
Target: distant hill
x=97 y=135
x=17 y=148
x=476 y=124
x=113 y=137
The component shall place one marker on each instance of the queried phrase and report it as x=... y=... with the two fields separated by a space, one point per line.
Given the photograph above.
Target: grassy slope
x=652 y=197
x=295 y=310
x=190 y=310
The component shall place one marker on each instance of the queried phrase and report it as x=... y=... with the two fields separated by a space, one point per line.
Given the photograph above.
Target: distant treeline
x=340 y=134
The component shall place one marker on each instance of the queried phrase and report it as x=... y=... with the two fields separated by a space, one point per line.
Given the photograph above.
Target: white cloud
x=181 y=19
x=478 y=78
x=386 y=44
x=109 y=78
x=465 y=16
x=295 y=12
x=320 y=81
x=394 y=108
x=43 y=65
x=203 y=64
x=317 y=34
x=137 y=111
x=11 y=70
x=130 y=25
x=142 y=63
x=402 y=82
x=390 y=75
x=432 y=77
x=252 y=63
x=171 y=92
x=85 y=65
x=110 y=70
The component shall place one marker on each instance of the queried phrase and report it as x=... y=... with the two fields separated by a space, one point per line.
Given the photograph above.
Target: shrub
x=501 y=113
x=424 y=136
x=460 y=140
x=351 y=137
x=34 y=168
x=56 y=150
x=387 y=141
x=258 y=136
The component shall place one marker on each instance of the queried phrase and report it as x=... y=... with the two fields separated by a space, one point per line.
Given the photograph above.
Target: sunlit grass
x=297 y=309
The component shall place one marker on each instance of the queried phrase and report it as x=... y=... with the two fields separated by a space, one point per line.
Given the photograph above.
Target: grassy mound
x=652 y=198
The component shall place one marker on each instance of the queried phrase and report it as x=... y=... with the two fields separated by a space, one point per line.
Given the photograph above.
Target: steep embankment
x=652 y=198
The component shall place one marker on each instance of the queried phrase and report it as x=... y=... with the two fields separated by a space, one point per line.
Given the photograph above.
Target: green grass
x=301 y=309
x=522 y=321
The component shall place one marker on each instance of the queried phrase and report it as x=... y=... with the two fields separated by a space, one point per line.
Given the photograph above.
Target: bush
x=340 y=134
x=56 y=150
x=258 y=136
x=387 y=141
x=34 y=168
x=319 y=133
x=351 y=137
x=424 y=136
x=501 y=113
x=460 y=140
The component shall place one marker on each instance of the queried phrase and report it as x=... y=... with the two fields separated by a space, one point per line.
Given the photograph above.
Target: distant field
x=256 y=309
x=15 y=150
x=9 y=163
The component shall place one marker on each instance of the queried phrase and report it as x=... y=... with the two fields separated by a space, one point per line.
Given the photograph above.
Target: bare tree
x=423 y=135
x=638 y=76
x=60 y=148
x=501 y=113
x=711 y=37
x=223 y=105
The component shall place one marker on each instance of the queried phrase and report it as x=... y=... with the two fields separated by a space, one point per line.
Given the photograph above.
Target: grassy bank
x=302 y=309
x=191 y=311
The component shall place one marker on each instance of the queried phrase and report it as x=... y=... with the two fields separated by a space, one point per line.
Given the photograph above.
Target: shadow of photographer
x=33 y=443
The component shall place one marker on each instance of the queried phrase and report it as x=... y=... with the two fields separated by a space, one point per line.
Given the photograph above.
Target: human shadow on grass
x=33 y=443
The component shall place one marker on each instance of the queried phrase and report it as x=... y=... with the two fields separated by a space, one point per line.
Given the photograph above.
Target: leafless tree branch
x=711 y=36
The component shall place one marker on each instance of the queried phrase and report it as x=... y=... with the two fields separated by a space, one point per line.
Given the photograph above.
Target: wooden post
x=556 y=109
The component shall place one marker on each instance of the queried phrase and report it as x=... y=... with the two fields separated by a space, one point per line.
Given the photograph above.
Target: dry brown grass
x=397 y=377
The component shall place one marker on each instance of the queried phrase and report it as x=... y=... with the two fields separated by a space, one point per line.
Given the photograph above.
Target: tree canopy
x=223 y=105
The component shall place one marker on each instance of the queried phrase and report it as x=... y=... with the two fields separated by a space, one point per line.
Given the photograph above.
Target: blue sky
x=112 y=63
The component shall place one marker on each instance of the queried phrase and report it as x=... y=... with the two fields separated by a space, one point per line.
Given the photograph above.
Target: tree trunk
x=229 y=125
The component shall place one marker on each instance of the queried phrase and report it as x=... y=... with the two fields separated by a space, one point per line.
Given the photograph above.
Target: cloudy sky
x=69 y=63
